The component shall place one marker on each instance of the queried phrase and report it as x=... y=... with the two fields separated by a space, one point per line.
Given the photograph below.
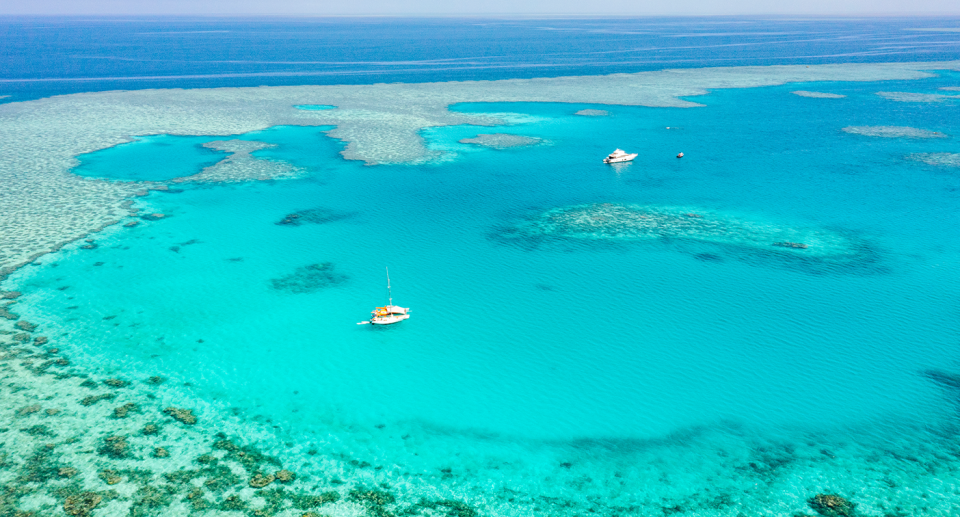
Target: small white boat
x=680 y=155
x=388 y=314
x=619 y=156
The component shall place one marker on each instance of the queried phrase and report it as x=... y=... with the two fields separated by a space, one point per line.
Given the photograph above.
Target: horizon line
x=882 y=14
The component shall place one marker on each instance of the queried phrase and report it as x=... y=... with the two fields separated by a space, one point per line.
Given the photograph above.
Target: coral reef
x=284 y=476
x=125 y=410
x=893 y=132
x=309 y=279
x=116 y=383
x=93 y=399
x=616 y=223
x=241 y=165
x=501 y=140
x=381 y=124
x=950 y=380
x=25 y=326
x=592 y=113
x=937 y=159
x=818 y=95
x=261 y=480
x=82 y=504
x=314 y=216
x=832 y=505
x=184 y=416
x=110 y=477
x=916 y=97
x=115 y=447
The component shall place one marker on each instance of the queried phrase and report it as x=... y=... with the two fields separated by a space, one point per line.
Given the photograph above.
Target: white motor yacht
x=619 y=156
x=388 y=314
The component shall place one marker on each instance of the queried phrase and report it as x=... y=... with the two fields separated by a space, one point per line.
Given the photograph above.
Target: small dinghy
x=680 y=155
x=619 y=156
x=388 y=314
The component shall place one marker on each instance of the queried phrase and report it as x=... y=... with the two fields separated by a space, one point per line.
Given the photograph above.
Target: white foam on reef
x=592 y=113
x=501 y=140
x=916 y=97
x=951 y=88
x=818 y=95
x=43 y=205
x=241 y=165
x=893 y=132
x=609 y=221
x=938 y=159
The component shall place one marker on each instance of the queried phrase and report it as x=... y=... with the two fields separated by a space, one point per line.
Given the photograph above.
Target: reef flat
x=592 y=113
x=893 y=132
x=45 y=206
x=916 y=97
x=81 y=445
x=818 y=95
x=501 y=140
x=240 y=165
x=130 y=443
x=938 y=159
x=624 y=223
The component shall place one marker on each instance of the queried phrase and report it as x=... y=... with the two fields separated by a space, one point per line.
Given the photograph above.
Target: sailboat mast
x=389 y=294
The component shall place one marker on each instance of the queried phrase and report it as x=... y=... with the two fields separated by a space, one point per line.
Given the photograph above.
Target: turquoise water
x=557 y=363
x=150 y=158
x=314 y=107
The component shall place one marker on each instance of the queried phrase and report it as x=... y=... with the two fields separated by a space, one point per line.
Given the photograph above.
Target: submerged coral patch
x=938 y=159
x=893 y=132
x=818 y=95
x=916 y=97
x=626 y=223
x=501 y=140
x=309 y=279
x=592 y=113
x=314 y=216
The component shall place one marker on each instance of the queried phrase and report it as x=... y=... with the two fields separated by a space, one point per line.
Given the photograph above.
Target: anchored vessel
x=619 y=156
x=390 y=313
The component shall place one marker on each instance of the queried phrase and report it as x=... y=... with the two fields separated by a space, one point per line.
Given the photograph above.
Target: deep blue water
x=50 y=56
x=604 y=373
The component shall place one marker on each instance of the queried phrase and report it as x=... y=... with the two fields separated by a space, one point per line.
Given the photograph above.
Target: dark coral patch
x=309 y=279
x=314 y=216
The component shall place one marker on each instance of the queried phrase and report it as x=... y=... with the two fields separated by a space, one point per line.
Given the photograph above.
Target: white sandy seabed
x=43 y=205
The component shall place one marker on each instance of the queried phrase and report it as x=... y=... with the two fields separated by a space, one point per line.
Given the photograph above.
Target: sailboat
x=388 y=314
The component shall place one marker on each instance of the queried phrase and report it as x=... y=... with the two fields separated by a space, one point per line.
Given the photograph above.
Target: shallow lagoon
x=150 y=158
x=560 y=370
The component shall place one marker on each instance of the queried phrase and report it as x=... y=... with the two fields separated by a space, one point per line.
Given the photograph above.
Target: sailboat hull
x=388 y=319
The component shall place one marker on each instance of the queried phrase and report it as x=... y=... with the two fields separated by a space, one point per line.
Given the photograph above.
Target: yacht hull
x=627 y=158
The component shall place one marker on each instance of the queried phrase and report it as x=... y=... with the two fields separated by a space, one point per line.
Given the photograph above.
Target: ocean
x=757 y=327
